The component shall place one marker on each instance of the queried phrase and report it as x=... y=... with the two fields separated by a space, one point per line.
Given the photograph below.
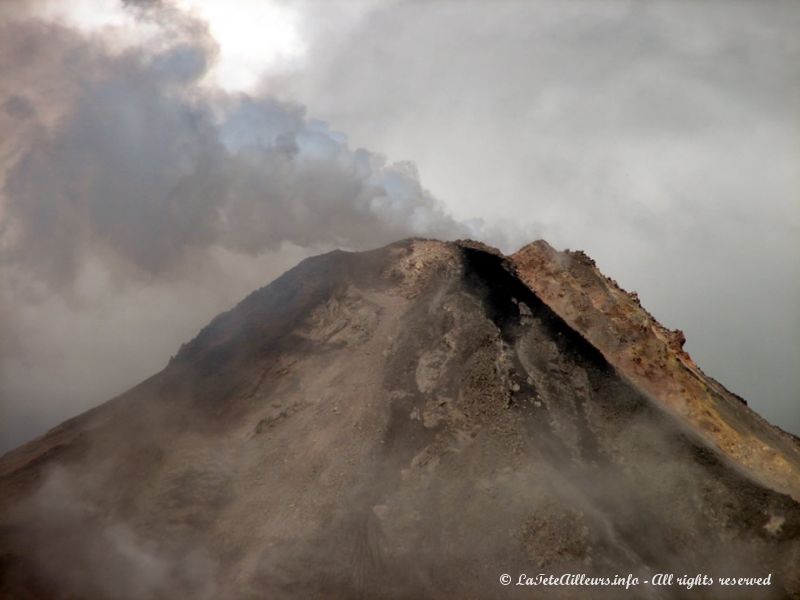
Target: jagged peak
x=653 y=358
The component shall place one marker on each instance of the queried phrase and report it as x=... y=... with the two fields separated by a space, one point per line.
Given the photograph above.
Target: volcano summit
x=411 y=422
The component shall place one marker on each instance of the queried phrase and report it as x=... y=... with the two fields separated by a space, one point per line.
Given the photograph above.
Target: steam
x=145 y=167
x=81 y=548
x=120 y=166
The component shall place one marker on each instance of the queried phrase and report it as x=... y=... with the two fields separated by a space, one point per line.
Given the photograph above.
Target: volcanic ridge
x=405 y=423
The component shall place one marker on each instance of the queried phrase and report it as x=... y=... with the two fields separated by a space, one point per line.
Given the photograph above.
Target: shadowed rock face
x=409 y=422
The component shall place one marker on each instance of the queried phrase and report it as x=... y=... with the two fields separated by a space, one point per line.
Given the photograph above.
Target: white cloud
x=254 y=37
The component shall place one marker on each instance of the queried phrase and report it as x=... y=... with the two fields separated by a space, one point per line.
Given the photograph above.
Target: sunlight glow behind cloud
x=253 y=36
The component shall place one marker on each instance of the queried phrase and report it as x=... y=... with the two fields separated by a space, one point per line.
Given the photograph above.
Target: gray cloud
x=661 y=137
x=124 y=177
x=145 y=167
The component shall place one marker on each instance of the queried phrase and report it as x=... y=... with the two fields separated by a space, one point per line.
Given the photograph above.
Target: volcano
x=412 y=422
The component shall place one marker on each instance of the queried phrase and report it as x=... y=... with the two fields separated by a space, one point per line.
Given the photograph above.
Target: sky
x=161 y=159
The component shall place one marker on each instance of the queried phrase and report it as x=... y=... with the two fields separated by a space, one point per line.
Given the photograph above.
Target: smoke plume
x=120 y=164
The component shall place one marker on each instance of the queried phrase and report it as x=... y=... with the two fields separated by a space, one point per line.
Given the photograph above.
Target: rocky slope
x=653 y=359
x=410 y=422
